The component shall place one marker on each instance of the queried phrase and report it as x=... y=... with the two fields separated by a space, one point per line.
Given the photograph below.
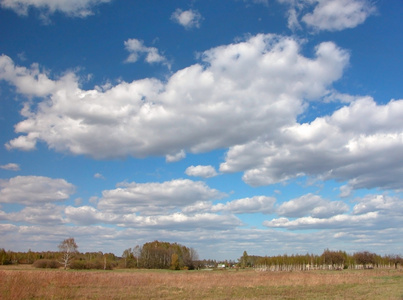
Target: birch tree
x=68 y=248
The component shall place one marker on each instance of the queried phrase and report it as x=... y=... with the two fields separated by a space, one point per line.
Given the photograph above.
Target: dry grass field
x=24 y=282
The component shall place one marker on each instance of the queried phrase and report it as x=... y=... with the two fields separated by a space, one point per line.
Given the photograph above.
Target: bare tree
x=137 y=253
x=127 y=255
x=68 y=248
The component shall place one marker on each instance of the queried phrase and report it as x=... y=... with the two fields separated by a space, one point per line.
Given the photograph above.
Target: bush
x=46 y=264
x=88 y=265
x=78 y=265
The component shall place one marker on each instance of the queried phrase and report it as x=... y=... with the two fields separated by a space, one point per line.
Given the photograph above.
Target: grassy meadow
x=25 y=282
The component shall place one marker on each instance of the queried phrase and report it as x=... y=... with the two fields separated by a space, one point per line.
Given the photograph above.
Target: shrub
x=78 y=265
x=88 y=265
x=46 y=264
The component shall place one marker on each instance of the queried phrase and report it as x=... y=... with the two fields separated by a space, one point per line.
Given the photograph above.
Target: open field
x=25 y=282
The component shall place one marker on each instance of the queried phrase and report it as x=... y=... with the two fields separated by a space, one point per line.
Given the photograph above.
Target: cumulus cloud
x=372 y=203
x=188 y=18
x=338 y=221
x=73 y=8
x=88 y=215
x=153 y=205
x=256 y=204
x=28 y=81
x=372 y=212
x=155 y=197
x=45 y=214
x=334 y=15
x=360 y=143
x=176 y=156
x=146 y=205
x=189 y=222
x=312 y=205
x=34 y=190
x=331 y=15
x=10 y=167
x=44 y=237
x=201 y=171
x=239 y=92
x=207 y=231
x=136 y=48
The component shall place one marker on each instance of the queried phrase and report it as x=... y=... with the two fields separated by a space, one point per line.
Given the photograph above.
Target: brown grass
x=29 y=283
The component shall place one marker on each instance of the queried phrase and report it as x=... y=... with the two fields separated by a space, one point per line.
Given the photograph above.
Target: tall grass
x=243 y=284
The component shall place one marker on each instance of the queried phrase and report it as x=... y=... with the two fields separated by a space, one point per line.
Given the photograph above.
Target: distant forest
x=152 y=255
x=165 y=255
x=334 y=260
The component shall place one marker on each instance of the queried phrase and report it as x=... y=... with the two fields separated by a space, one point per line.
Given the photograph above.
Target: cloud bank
x=184 y=210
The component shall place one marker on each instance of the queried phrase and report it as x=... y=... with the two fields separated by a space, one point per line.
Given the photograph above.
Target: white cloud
x=334 y=15
x=198 y=206
x=180 y=221
x=293 y=22
x=312 y=205
x=294 y=10
x=360 y=143
x=386 y=204
x=372 y=212
x=188 y=18
x=30 y=82
x=207 y=231
x=46 y=214
x=154 y=197
x=201 y=171
x=175 y=157
x=10 y=167
x=136 y=48
x=74 y=8
x=88 y=215
x=33 y=190
x=345 y=191
x=23 y=143
x=241 y=91
x=99 y=176
x=256 y=204
x=45 y=237
x=338 y=221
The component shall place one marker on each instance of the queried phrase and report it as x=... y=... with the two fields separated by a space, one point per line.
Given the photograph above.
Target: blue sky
x=271 y=126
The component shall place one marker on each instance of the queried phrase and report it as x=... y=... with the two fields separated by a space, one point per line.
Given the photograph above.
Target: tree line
x=328 y=259
x=152 y=255
x=174 y=256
